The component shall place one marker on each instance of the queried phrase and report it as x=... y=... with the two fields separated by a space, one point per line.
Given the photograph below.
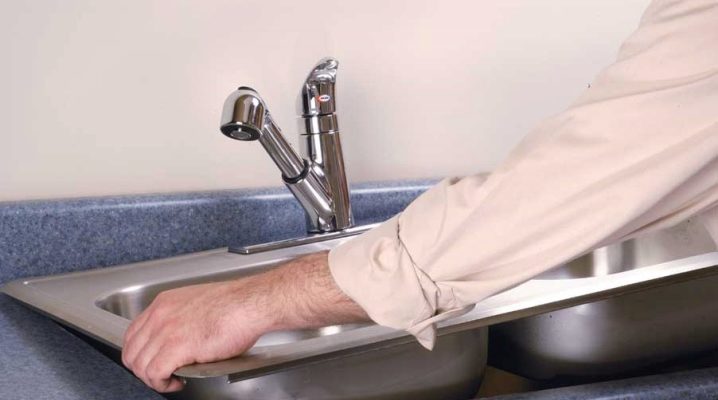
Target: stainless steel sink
x=347 y=361
x=624 y=333
x=334 y=362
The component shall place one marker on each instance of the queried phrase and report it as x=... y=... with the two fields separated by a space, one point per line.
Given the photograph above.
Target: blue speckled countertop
x=41 y=360
x=50 y=237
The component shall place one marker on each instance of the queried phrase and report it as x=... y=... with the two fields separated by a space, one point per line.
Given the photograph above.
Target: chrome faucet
x=317 y=180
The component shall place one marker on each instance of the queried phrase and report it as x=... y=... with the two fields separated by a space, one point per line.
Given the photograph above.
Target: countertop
x=41 y=360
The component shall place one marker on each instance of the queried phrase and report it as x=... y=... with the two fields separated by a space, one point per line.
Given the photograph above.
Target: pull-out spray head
x=244 y=115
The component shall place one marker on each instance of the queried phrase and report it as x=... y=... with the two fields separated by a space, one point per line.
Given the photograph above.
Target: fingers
x=153 y=356
x=165 y=362
x=137 y=323
x=175 y=385
x=149 y=350
x=145 y=356
x=158 y=360
x=136 y=337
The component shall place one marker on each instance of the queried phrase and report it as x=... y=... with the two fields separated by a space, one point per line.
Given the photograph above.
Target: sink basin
x=621 y=334
x=129 y=302
x=352 y=361
x=373 y=362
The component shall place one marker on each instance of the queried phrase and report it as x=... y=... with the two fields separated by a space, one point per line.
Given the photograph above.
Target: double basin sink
x=619 y=335
x=617 y=308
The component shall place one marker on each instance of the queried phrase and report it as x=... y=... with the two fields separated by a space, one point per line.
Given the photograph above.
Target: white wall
x=111 y=97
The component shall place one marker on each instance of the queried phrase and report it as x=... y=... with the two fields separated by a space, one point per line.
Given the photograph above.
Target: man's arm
x=216 y=321
x=638 y=151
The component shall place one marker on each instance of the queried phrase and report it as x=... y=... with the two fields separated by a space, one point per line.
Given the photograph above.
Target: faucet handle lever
x=318 y=94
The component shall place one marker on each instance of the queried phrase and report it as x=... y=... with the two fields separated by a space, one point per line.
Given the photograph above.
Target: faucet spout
x=245 y=117
x=317 y=180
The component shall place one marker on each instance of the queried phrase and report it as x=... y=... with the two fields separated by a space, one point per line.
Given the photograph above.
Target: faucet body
x=317 y=179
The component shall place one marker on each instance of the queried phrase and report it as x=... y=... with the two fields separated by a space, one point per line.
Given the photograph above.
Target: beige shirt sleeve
x=637 y=151
x=710 y=220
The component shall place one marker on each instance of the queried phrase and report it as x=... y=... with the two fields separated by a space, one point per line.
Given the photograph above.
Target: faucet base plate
x=282 y=244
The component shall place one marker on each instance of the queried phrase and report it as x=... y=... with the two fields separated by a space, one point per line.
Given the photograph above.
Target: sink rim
x=78 y=308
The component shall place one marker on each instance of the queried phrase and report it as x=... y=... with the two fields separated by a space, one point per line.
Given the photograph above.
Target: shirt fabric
x=637 y=151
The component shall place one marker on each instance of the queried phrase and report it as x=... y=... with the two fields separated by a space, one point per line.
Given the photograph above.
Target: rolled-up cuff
x=377 y=272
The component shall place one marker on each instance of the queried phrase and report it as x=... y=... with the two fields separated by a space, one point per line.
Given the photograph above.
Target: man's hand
x=216 y=321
